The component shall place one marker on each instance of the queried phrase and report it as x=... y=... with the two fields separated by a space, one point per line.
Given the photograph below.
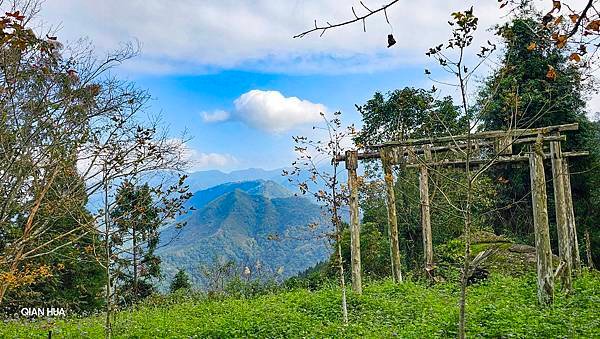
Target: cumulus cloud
x=201 y=161
x=215 y=116
x=257 y=35
x=198 y=160
x=273 y=112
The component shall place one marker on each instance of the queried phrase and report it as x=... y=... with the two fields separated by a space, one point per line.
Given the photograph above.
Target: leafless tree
x=324 y=185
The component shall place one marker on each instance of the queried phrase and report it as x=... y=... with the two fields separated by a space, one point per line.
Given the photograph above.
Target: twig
x=356 y=19
x=581 y=16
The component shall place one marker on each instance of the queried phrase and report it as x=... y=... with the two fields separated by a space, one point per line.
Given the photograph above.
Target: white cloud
x=202 y=161
x=215 y=116
x=273 y=112
x=198 y=160
x=188 y=36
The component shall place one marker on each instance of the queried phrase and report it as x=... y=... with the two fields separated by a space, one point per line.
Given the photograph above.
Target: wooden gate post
x=564 y=238
x=425 y=211
x=571 y=217
x=392 y=218
x=545 y=277
x=351 y=166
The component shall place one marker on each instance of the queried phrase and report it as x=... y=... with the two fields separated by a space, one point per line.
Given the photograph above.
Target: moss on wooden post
x=351 y=166
x=545 y=277
x=571 y=217
x=425 y=212
x=564 y=238
x=392 y=217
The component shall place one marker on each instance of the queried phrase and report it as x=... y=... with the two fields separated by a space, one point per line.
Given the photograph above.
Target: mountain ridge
x=249 y=222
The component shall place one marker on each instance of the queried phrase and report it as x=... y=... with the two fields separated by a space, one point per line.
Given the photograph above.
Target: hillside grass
x=502 y=306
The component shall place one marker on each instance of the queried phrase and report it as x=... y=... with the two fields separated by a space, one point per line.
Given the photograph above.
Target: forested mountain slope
x=258 y=224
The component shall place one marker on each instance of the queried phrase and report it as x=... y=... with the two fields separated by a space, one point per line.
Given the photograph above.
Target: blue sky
x=182 y=99
x=236 y=61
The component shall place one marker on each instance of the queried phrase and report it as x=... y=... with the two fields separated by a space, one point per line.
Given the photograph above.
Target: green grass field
x=501 y=307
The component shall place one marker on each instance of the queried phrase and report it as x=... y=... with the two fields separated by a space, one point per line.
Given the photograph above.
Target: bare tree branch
x=357 y=18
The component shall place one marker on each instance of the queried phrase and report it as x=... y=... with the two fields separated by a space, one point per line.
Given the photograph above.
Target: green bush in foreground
x=499 y=307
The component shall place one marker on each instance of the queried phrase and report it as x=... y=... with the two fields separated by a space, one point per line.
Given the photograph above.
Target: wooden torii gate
x=488 y=148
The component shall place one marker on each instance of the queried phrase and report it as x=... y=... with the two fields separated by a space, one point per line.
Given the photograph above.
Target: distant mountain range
x=256 y=223
x=204 y=179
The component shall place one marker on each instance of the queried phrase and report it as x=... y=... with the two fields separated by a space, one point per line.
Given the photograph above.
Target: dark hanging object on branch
x=391 y=40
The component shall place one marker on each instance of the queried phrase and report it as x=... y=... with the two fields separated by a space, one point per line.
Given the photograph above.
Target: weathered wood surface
x=588 y=249
x=500 y=142
x=425 y=213
x=560 y=207
x=392 y=216
x=351 y=166
x=401 y=156
x=483 y=135
x=545 y=279
x=571 y=217
x=500 y=159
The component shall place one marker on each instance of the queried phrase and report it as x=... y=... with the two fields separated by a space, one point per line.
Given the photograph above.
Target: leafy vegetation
x=180 y=281
x=519 y=94
x=137 y=221
x=502 y=306
x=61 y=112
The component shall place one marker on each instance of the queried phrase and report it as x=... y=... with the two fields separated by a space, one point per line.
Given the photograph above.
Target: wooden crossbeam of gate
x=498 y=146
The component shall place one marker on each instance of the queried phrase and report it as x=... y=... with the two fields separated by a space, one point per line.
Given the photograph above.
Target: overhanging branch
x=357 y=18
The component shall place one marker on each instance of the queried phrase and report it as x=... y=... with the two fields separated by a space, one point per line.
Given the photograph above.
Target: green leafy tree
x=44 y=117
x=180 y=281
x=75 y=279
x=407 y=113
x=537 y=85
x=136 y=219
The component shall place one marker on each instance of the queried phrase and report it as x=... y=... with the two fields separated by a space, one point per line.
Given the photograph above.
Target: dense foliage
x=407 y=113
x=74 y=277
x=44 y=119
x=500 y=307
x=536 y=85
x=180 y=281
x=136 y=218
